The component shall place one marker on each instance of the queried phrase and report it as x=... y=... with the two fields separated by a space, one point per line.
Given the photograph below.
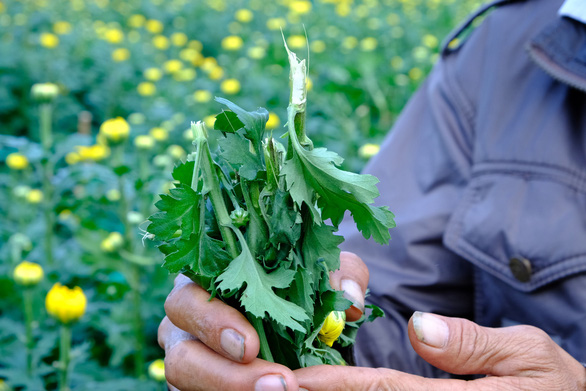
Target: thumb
x=462 y=347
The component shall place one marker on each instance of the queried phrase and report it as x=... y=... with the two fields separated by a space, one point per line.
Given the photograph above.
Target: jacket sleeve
x=423 y=166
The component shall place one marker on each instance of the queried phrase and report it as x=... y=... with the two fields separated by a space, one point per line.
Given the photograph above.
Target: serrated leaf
x=179 y=209
x=237 y=153
x=205 y=256
x=283 y=220
x=321 y=245
x=183 y=172
x=254 y=121
x=258 y=296
x=338 y=190
x=227 y=122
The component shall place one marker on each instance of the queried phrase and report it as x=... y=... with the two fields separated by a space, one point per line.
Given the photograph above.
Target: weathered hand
x=516 y=358
x=211 y=346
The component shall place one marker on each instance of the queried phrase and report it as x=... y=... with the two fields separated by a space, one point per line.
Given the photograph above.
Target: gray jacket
x=486 y=173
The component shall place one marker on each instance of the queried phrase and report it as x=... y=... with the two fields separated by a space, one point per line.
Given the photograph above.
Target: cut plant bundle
x=253 y=222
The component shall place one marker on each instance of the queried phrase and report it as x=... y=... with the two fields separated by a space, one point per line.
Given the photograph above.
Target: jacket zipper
x=555 y=70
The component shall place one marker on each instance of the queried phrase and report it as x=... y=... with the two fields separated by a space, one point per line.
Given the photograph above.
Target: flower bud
x=113 y=242
x=176 y=152
x=44 y=92
x=64 y=304
x=144 y=142
x=28 y=273
x=368 y=150
x=239 y=217
x=157 y=370
x=332 y=327
x=134 y=217
x=16 y=161
x=115 y=130
x=35 y=196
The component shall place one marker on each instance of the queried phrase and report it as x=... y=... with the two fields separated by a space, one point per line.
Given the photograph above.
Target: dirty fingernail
x=270 y=383
x=430 y=329
x=232 y=343
x=353 y=292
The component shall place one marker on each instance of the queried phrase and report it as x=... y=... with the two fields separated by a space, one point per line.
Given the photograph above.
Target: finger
x=192 y=366
x=352 y=278
x=213 y=322
x=343 y=378
x=462 y=347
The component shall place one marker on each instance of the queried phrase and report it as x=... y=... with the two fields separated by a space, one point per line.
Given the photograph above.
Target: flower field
x=96 y=100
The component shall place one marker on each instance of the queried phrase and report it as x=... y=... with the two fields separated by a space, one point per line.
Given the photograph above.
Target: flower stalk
x=64 y=356
x=45 y=123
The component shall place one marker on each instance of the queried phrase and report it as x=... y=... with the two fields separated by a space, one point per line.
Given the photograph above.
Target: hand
x=516 y=358
x=211 y=346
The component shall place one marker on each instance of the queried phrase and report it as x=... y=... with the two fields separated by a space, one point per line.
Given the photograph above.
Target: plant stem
x=64 y=350
x=28 y=320
x=135 y=269
x=45 y=120
x=213 y=186
x=265 y=350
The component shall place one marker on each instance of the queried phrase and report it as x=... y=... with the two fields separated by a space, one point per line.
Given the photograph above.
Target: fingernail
x=430 y=329
x=303 y=389
x=353 y=292
x=270 y=383
x=232 y=343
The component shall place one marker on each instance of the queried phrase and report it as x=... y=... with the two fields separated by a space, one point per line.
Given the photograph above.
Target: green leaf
x=203 y=255
x=258 y=297
x=338 y=190
x=183 y=172
x=179 y=209
x=284 y=226
x=321 y=245
x=254 y=121
x=227 y=122
x=237 y=153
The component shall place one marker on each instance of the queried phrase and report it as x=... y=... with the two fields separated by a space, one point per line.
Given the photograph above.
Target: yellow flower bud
x=144 y=142
x=202 y=96
x=116 y=130
x=368 y=150
x=146 y=88
x=113 y=242
x=16 y=161
x=157 y=370
x=120 y=54
x=64 y=304
x=28 y=273
x=230 y=86
x=49 y=40
x=44 y=92
x=244 y=15
x=273 y=121
x=35 y=196
x=113 y=195
x=159 y=134
x=232 y=42
x=332 y=327
x=154 y=26
x=176 y=152
x=296 y=41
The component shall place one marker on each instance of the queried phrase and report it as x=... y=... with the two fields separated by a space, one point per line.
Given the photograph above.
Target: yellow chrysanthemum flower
x=49 y=40
x=176 y=152
x=157 y=370
x=114 y=36
x=318 y=46
x=112 y=242
x=144 y=142
x=153 y=74
x=64 y=304
x=332 y=327
x=136 y=20
x=113 y=195
x=115 y=129
x=430 y=41
x=72 y=158
x=195 y=44
x=273 y=122
x=62 y=27
x=16 y=161
x=202 y=96
x=94 y=153
x=161 y=42
x=154 y=26
x=28 y=273
x=256 y=52
x=179 y=39
x=120 y=54
x=230 y=86
x=368 y=150
x=296 y=41
x=244 y=15
x=35 y=196
x=146 y=88
x=44 y=92
x=232 y=42
x=210 y=120
x=276 y=23
x=349 y=43
x=172 y=66
x=159 y=134
x=216 y=73
x=300 y=6
x=368 y=44
x=186 y=74
x=415 y=74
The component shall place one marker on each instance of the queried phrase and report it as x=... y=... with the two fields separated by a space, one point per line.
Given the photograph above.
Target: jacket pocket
x=523 y=223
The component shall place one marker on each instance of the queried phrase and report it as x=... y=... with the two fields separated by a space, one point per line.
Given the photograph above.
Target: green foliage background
x=366 y=57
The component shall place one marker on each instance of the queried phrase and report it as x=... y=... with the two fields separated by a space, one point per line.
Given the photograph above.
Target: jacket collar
x=560 y=49
x=575 y=9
